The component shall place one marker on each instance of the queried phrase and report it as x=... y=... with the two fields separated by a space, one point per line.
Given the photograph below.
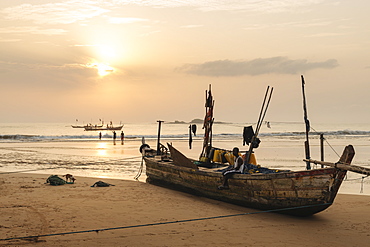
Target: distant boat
x=102 y=127
x=86 y=125
x=78 y=126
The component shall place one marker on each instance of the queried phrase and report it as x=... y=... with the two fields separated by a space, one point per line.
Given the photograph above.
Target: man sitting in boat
x=238 y=168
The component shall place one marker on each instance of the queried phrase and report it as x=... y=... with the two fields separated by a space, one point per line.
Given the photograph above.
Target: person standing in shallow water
x=237 y=168
x=122 y=137
x=114 y=137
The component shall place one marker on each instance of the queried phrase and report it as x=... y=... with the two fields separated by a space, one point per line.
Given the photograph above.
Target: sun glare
x=102 y=149
x=106 y=52
x=104 y=69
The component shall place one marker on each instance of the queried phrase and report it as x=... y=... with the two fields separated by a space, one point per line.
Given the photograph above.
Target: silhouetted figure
x=237 y=168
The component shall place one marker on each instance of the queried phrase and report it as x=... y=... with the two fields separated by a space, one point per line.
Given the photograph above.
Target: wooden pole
x=207 y=125
x=259 y=123
x=307 y=122
x=322 y=148
x=352 y=168
x=263 y=106
x=159 y=137
x=344 y=162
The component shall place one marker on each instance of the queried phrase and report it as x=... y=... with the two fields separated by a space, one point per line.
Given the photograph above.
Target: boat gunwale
x=252 y=176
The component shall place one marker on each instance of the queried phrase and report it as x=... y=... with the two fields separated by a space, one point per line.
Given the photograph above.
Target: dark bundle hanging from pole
x=194 y=129
x=248 y=134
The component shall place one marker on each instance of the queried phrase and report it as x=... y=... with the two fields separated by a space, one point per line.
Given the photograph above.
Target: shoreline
x=347 y=187
x=103 y=159
x=30 y=207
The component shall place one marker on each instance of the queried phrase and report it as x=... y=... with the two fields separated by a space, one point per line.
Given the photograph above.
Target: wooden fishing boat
x=78 y=126
x=102 y=127
x=97 y=128
x=300 y=193
x=87 y=126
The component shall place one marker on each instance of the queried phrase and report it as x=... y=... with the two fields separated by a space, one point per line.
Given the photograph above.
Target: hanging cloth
x=194 y=129
x=190 y=137
x=248 y=134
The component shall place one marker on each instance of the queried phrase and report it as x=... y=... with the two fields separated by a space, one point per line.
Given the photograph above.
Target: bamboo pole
x=322 y=148
x=342 y=166
x=307 y=122
x=159 y=136
x=263 y=111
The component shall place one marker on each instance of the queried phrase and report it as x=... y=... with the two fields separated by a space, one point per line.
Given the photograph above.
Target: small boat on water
x=78 y=126
x=300 y=193
x=100 y=128
x=86 y=125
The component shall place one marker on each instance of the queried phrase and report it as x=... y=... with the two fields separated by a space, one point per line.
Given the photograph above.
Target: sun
x=104 y=69
x=106 y=52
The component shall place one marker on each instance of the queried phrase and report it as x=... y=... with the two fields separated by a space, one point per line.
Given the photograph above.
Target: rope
x=30 y=170
x=102 y=162
x=164 y=223
x=63 y=166
x=140 y=169
x=362 y=184
x=326 y=142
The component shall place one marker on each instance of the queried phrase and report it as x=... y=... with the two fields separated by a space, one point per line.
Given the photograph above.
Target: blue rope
x=164 y=223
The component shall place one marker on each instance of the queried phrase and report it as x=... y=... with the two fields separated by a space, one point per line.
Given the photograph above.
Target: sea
x=58 y=149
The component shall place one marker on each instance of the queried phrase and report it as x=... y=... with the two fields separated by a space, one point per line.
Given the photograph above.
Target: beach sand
x=30 y=207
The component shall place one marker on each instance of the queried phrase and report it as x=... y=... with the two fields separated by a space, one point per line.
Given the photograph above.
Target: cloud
x=39 y=75
x=294 y=24
x=32 y=30
x=9 y=40
x=191 y=26
x=71 y=11
x=226 y=5
x=125 y=20
x=56 y=13
x=260 y=66
x=319 y=35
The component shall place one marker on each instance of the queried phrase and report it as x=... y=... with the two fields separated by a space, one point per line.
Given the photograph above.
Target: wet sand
x=30 y=207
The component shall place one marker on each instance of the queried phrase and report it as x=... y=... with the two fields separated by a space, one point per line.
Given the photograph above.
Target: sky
x=147 y=60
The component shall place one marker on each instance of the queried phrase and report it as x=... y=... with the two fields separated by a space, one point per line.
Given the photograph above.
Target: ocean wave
x=17 y=137
x=87 y=137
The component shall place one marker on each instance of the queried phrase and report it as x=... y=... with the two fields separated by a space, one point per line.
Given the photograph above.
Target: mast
x=208 y=123
x=159 y=137
x=307 y=122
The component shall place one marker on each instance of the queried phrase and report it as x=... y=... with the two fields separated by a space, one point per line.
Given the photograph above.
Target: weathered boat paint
x=316 y=188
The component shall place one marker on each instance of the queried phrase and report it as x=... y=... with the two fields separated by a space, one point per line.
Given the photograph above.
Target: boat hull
x=92 y=128
x=300 y=193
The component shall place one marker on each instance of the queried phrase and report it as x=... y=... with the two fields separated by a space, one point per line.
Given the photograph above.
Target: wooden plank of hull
x=316 y=188
x=261 y=191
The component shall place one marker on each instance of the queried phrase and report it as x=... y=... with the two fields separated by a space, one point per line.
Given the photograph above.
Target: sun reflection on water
x=102 y=149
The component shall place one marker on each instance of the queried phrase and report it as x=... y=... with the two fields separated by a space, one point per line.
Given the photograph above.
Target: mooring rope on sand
x=163 y=223
x=33 y=170
x=67 y=167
